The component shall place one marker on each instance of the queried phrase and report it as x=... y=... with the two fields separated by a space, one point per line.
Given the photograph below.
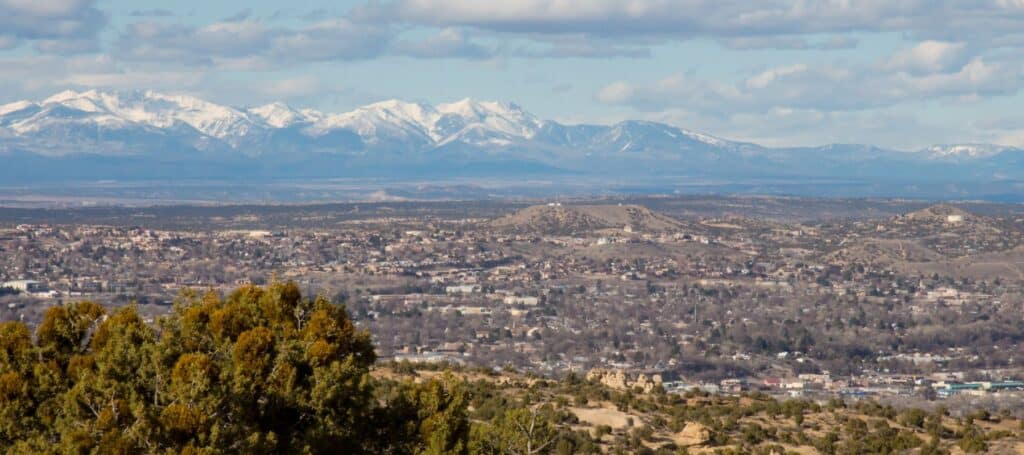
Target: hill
x=556 y=219
x=882 y=252
x=942 y=213
x=945 y=219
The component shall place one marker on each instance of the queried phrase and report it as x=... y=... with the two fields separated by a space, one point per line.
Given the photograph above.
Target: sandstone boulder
x=693 y=434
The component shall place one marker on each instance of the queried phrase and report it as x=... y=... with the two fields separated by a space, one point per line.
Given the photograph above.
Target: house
x=794 y=385
x=733 y=385
x=527 y=301
x=27 y=286
x=462 y=289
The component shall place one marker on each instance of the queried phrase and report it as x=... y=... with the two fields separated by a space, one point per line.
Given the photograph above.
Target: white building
x=462 y=289
x=26 y=286
x=528 y=301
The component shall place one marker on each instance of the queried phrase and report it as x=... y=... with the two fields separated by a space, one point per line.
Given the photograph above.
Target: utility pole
x=695 y=304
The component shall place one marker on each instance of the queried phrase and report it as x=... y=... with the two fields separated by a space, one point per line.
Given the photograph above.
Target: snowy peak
x=165 y=133
x=472 y=117
x=471 y=109
x=462 y=121
x=643 y=136
x=400 y=110
x=707 y=139
x=157 y=110
x=90 y=101
x=393 y=112
x=384 y=122
x=392 y=123
x=15 y=107
x=68 y=95
x=964 y=151
x=390 y=126
x=96 y=120
x=280 y=115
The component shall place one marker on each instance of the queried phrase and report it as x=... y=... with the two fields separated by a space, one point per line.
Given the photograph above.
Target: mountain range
x=98 y=135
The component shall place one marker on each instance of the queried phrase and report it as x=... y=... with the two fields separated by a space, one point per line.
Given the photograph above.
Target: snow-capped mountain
x=98 y=115
x=965 y=151
x=280 y=115
x=156 y=110
x=394 y=121
x=143 y=134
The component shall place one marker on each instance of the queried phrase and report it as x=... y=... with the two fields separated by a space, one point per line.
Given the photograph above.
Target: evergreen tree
x=261 y=371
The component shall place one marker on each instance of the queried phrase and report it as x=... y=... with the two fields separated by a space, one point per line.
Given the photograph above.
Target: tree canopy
x=260 y=371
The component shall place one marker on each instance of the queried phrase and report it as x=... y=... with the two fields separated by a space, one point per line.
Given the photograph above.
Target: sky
x=903 y=74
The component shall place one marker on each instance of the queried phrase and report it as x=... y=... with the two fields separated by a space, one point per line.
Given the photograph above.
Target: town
x=924 y=304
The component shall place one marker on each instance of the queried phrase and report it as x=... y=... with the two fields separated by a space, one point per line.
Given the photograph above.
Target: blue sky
x=896 y=73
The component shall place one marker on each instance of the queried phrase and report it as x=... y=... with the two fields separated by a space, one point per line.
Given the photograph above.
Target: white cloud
x=125 y=80
x=1011 y=138
x=710 y=18
x=293 y=87
x=820 y=87
x=35 y=76
x=9 y=42
x=245 y=43
x=929 y=57
x=976 y=77
x=807 y=103
x=809 y=127
x=217 y=42
x=1001 y=130
x=333 y=39
x=52 y=22
x=766 y=42
x=765 y=78
x=788 y=43
x=582 y=46
x=449 y=42
x=616 y=93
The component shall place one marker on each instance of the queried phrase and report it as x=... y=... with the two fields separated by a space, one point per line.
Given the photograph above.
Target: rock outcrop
x=618 y=379
x=693 y=434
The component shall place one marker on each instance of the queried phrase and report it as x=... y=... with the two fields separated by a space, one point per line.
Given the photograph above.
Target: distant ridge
x=940 y=212
x=952 y=219
x=146 y=135
x=572 y=219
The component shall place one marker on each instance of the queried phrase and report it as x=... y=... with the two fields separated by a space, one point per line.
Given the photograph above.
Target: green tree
x=972 y=439
x=260 y=371
x=519 y=431
x=429 y=418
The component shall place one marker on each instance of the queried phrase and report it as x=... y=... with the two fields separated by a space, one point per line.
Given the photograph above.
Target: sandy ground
x=605 y=415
